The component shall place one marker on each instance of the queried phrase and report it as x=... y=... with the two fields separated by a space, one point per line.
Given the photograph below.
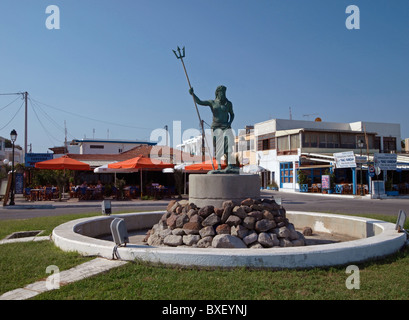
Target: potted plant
x=272 y=186
x=389 y=188
x=120 y=185
x=302 y=181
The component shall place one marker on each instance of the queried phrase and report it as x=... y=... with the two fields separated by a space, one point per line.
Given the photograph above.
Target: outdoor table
x=35 y=194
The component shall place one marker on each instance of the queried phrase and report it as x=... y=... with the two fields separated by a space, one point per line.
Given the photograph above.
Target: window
x=332 y=140
x=286 y=172
x=283 y=143
x=389 y=144
x=322 y=140
x=96 y=146
x=294 y=141
x=265 y=144
x=348 y=141
x=310 y=140
x=377 y=143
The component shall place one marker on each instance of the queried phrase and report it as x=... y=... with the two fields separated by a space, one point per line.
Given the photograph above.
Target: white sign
x=345 y=159
x=386 y=161
x=361 y=159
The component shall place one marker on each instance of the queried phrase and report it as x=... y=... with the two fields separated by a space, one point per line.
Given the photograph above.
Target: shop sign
x=385 y=161
x=345 y=160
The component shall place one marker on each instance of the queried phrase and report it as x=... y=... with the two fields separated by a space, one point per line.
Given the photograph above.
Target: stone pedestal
x=214 y=189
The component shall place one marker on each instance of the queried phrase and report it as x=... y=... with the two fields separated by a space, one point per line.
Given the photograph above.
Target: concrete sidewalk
x=57 y=279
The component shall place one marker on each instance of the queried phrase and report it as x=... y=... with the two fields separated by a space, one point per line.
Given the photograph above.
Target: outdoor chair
x=48 y=193
x=27 y=195
x=304 y=188
x=82 y=195
x=338 y=188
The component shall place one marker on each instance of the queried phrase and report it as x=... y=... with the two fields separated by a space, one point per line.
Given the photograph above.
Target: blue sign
x=19 y=183
x=33 y=158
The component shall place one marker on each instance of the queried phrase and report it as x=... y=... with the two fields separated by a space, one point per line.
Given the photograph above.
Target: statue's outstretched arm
x=198 y=101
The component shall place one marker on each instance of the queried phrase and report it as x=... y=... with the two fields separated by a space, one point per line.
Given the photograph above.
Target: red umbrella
x=141 y=163
x=62 y=163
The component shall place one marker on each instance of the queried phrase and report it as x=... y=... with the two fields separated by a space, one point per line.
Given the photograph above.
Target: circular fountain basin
x=375 y=239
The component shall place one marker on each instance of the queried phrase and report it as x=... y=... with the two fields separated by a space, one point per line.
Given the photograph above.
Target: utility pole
x=65 y=138
x=25 y=122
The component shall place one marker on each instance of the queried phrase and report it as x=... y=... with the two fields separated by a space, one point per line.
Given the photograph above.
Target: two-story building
x=286 y=146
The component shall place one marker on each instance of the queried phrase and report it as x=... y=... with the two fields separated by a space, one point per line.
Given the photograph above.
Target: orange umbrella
x=204 y=166
x=62 y=163
x=141 y=163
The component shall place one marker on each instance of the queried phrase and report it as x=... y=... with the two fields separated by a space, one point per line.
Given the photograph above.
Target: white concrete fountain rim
x=384 y=241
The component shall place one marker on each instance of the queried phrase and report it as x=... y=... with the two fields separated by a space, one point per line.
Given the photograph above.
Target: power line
x=49 y=135
x=92 y=119
x=13 y=116
x=9 y=104
x=10 y=94
x=46 y=115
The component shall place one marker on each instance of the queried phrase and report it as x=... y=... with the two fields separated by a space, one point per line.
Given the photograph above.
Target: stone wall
x=255 y=223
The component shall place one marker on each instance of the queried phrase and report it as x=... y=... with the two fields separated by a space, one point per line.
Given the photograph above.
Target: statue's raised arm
x=208 y=103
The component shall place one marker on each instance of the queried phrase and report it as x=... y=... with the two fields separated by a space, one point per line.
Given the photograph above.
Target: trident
x=180 y=54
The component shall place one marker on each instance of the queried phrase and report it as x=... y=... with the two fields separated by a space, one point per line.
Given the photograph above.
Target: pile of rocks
x=252 y=224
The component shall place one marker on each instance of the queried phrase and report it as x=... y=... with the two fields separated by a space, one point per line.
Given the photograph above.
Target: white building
x=2 y=148
x=7 y=153
x=104 y=146
x=285 y=146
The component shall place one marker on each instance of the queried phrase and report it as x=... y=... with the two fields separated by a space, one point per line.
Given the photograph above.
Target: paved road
x=290 y=201
x=340 y=204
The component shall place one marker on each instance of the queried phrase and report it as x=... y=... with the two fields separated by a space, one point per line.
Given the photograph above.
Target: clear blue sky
x=112 y=61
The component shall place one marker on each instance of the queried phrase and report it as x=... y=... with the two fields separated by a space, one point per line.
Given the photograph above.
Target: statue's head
x=221 y=92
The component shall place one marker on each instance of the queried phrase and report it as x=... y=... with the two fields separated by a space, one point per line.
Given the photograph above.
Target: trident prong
x=180 y=54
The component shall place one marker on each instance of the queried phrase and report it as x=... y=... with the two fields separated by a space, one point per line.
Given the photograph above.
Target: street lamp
x=13 y=138
x=361 y=145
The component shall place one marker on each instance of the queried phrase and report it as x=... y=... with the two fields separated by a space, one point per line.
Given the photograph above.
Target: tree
x=59 y=178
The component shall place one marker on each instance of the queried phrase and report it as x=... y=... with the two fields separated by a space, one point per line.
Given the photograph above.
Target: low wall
x=214 y=189
x=354 y=227
x=377 y=239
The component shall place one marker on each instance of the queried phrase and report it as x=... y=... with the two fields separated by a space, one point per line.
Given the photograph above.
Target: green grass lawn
x=24 y=263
